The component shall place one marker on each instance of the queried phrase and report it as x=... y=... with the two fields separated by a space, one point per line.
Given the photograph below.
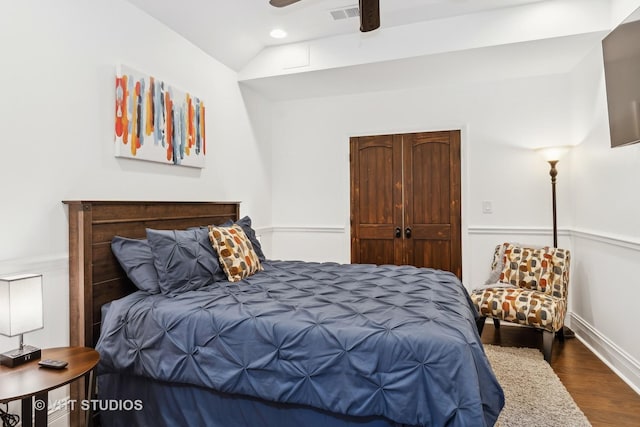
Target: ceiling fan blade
x=369 y=15
x=282 y=3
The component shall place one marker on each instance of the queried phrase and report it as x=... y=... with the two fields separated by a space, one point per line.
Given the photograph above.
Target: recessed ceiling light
x=278 y=33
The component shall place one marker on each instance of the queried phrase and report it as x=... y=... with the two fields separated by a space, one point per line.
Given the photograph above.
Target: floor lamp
x=553 y=156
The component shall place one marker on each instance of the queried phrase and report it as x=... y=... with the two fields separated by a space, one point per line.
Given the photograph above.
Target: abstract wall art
x=157 y=122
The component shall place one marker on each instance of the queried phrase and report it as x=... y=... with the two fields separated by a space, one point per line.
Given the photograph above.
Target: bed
x=295 y=344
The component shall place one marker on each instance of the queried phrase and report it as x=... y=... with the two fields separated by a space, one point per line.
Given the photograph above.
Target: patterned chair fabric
x=531 y=290
x=522 y=306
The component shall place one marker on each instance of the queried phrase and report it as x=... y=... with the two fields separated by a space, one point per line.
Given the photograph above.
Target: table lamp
x=20 y=312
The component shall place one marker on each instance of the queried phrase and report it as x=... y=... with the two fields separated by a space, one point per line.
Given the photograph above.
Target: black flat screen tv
x=621 y=53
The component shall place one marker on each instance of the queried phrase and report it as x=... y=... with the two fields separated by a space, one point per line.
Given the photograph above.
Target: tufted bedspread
x=398 y=342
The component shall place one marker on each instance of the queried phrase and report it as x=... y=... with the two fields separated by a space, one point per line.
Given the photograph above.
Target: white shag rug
x=534 y=395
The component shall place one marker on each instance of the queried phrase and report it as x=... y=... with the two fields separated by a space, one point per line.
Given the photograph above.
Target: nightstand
x=32 y=383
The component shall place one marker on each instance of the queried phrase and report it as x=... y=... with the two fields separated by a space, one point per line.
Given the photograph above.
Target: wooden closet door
x=405 y=200
x=432 y=200
x=376 y=200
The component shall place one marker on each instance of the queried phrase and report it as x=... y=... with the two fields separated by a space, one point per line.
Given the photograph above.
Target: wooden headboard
x=95 y=277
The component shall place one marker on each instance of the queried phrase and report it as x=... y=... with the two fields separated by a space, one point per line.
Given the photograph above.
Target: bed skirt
x=131 y=400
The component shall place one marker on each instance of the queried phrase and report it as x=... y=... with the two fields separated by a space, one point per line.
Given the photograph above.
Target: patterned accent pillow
x=236 y=254
x=543 y=269
x=497 y=264
x=245 y=223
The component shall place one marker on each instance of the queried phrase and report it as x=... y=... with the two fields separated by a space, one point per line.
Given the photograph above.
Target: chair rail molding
x=41 y=264
x=593 y=235
x=515 y=230
x=302 y=229
x=606 y=238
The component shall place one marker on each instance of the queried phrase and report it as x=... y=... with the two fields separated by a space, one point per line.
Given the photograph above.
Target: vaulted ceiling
x=234 y=31
x=417 y=40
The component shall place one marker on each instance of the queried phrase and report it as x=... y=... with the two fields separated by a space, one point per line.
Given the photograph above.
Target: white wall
x=606 y=235
x=57 y=118
x=501 y=122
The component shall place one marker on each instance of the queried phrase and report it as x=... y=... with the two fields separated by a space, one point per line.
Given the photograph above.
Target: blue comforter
x=398 y=342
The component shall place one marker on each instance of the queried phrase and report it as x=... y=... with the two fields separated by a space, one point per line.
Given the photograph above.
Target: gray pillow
x=245 y=224
x=136 y=259
x=184 y=259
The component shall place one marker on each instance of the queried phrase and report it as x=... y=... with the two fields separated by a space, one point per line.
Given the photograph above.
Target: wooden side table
x=32 y=383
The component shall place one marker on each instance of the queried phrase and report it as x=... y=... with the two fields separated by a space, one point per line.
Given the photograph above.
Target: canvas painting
x=157 y=122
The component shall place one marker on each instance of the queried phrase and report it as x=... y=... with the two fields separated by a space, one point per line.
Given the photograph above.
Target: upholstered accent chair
x=528 y=286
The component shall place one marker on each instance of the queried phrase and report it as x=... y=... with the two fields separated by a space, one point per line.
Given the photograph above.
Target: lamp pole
x=554 y=173
x=552 y=155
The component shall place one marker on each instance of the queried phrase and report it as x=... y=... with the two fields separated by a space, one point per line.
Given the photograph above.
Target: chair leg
x=496 y=323
x=547 y=344
x=480 y=324
x=560 y=334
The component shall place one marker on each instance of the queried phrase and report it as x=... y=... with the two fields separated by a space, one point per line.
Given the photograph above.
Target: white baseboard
x=59 y=418
x=625 y=366
x=55 y=418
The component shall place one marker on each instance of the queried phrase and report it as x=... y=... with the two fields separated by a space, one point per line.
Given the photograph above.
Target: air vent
x=344 y=13
x=352 y=12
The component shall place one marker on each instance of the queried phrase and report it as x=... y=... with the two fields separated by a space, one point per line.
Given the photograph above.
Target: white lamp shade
x=21 y=304
x=553 y=153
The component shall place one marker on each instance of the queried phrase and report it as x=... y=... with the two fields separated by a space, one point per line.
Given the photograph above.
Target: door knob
x=398 y=232
x=407 y=232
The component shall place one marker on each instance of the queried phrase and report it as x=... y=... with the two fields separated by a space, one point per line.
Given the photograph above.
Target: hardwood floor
x=604 y=398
